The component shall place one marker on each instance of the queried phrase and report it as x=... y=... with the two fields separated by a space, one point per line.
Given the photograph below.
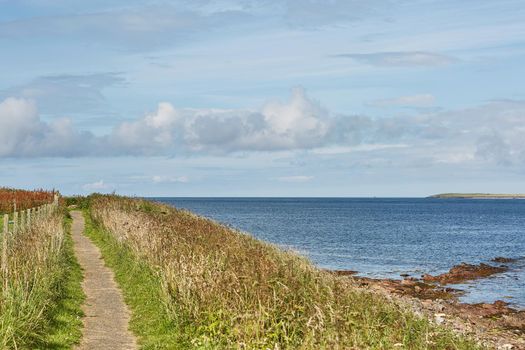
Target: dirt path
x=107 y=317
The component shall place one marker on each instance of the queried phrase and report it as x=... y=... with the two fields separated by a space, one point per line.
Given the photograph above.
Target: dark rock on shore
x=441 y=304
x=497 y=314
x=343 y=272
x=411 y=287
x=465 y=272
x=504 y=260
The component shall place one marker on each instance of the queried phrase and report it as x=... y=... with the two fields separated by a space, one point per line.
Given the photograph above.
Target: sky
x=317 y=98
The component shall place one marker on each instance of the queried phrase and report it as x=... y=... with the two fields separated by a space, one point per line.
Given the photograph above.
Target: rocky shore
x=496 y=325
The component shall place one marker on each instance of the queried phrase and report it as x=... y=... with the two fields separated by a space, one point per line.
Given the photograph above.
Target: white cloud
x=300 y=123
x=487 y=134
x=96 y=186
x=158 y=179
x=23 y=134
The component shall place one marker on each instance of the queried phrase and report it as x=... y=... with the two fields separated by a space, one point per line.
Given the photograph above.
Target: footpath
x=106 y=315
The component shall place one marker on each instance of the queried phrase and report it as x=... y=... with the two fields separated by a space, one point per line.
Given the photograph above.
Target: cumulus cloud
x=490 y=133
x=401 y=58
x=300 y=123
x=24 y=134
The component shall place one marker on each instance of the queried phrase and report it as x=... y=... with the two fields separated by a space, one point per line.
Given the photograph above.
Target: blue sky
x=263 y=98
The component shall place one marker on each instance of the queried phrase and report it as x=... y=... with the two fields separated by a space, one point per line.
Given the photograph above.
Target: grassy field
x=192 y=283
x=40 y=294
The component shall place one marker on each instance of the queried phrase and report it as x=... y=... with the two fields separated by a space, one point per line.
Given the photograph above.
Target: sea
x=388 y=237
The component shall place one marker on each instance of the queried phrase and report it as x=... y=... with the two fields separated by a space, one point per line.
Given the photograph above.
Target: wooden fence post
x=15 y=222
x=22 y=220
x=28 y=218
x=5 y=270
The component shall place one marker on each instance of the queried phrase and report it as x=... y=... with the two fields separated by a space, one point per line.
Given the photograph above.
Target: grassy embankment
x=192 y=283
x=41 y=294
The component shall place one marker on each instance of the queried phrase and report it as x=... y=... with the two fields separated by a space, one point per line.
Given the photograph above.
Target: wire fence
x=22 y=220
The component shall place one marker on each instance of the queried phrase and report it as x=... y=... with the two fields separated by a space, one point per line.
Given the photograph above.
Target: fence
x=22 y=221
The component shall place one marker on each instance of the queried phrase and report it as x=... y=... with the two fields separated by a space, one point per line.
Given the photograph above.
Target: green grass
x=141 y=288
x=191 y=283
x=65 y=323
x=41 y=307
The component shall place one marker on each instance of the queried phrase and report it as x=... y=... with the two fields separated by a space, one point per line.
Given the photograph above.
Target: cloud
x=129 y=27
x=23 y=134
x=487 y=134
x=359 y=148
x=422 y=100
x=159 y=179
x=65 y=94
x=401 y=59
x=296 y=178
x=96 y=186
x=317 y=13
x=300 y=123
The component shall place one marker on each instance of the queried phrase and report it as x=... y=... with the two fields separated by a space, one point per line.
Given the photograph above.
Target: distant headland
x=479 y=196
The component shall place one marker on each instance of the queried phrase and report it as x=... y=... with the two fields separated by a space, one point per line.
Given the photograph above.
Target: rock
x=501 y=259
x=439 y=318
x=343 y=272
x=464 y=272
x=500 y=304
x=408 y=282
x=506 y=347
x=427 y=303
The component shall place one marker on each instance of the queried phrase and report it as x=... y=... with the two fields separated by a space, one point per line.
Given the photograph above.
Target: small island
x=479 y=196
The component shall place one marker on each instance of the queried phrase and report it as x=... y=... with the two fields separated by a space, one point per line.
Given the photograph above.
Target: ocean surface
x=384 y=237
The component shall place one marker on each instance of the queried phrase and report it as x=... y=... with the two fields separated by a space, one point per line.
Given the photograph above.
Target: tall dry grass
x=28 y=284
x=225 y=289
x=23 y=199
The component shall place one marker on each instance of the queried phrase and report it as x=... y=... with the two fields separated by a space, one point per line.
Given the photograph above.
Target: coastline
x=432 y=296
x=477 y=196
x=209 y=277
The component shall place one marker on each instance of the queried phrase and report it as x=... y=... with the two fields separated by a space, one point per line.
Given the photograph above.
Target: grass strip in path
x=65 y=327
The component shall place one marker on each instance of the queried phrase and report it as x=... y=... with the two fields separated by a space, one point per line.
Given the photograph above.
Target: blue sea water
x=384 y=237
